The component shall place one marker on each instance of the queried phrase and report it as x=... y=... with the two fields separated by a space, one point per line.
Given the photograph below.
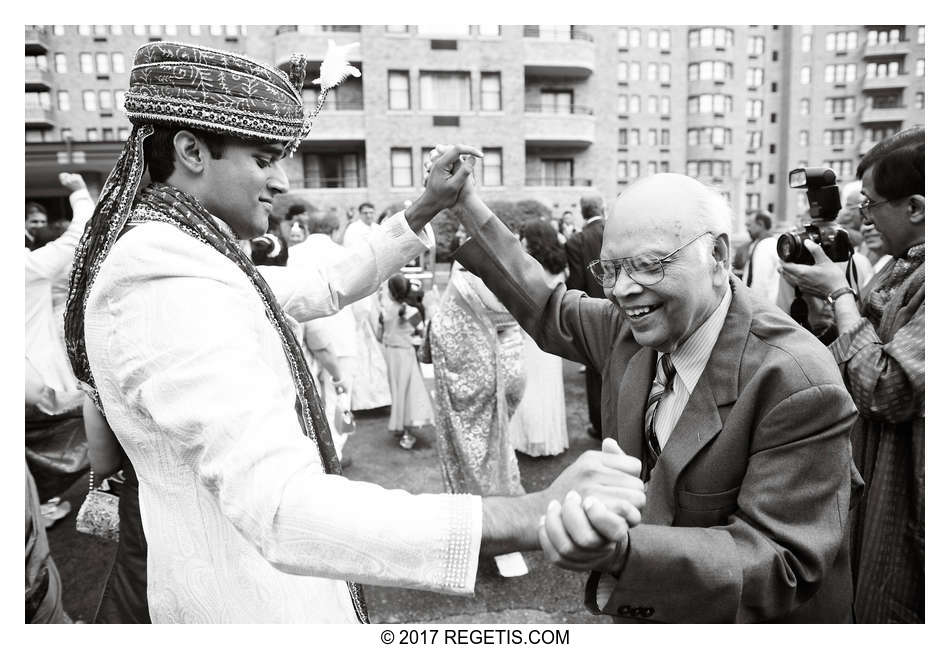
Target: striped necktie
x=662 y=386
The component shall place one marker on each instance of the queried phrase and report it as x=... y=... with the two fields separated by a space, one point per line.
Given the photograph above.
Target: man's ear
x=915 y=205
x=190 y=152
x=720 y=250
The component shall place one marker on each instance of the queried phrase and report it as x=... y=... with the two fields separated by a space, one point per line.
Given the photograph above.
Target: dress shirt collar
x=593 y=219
x=691 y=357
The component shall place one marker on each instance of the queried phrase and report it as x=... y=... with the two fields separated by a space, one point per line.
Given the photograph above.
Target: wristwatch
x=838 y=292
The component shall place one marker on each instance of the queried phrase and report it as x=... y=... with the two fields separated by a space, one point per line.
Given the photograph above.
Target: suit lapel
x=634 y=391
x=700 y=423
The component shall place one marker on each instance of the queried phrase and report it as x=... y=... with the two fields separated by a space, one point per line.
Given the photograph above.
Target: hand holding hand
x=820 y=279
x=72 y=182
x=583 y=535
x=610 y=476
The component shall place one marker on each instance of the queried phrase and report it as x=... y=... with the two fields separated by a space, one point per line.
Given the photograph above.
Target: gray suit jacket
x=747 y=508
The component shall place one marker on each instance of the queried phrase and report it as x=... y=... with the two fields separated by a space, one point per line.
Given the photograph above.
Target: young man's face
x=242 y=184
x=34 y=221
x=368 y=214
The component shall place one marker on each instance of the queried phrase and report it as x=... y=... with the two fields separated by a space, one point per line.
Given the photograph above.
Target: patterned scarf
x=894 y=298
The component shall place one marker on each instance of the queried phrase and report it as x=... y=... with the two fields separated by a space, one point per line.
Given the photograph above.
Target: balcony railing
x=541 y=181
x=575 y=34
x=558 y=110
x=37 y=39
x=39 y=116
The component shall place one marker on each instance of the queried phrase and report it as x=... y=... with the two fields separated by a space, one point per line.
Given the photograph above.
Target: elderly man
x=880 y=350
x=739 y=416
x=187 y=348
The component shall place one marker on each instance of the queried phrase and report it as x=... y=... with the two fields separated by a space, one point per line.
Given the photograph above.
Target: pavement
x=545 y=595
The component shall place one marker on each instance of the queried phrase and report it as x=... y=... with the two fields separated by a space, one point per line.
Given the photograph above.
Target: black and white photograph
x=466 y=326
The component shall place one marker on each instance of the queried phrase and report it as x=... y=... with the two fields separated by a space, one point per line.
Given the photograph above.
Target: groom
x=188 y=351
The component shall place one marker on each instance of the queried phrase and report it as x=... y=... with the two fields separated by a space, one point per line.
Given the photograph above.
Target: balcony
x=571 y=126
x=566 y=54
x=891 y=114
x=38 y=80
x=39 y=117
x=312 y=41
x=344 y=121
x=886 y=83
x=37 y=39
x=898 y=48
x=541 y=181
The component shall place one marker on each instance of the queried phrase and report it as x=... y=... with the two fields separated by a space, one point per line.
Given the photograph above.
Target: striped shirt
x=690 y=360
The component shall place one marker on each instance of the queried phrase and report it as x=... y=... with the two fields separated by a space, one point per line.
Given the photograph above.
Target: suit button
x=648 y=612
x=638 y=612
x=624 y=610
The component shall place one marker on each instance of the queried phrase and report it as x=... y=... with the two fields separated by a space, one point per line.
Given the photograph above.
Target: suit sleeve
x=563 y=322
x=575 y=264
x=224 y=410
x=776 y=548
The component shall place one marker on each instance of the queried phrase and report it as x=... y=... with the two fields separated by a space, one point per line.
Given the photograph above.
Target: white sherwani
x=242 y=523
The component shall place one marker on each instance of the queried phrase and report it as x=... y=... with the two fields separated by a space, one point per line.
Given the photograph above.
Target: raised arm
x=50 y=260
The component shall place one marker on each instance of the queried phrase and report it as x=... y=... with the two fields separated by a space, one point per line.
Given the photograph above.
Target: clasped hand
x=588 y=530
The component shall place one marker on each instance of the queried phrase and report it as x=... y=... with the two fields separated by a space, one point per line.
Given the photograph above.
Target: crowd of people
x=753 y=468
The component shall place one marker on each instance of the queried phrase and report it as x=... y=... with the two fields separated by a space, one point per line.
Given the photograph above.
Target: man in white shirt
x=187 y=350
x=761 y=269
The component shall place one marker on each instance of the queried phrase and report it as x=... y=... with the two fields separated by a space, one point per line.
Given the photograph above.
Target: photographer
x=880 y=350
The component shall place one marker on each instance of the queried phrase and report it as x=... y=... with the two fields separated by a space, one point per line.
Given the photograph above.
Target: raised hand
x=72 y=182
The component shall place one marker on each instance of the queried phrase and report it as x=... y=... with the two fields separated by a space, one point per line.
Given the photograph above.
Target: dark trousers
x=592 y=378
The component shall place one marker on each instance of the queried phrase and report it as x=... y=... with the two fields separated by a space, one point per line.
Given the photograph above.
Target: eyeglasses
x=645 y=271
x=864 y=207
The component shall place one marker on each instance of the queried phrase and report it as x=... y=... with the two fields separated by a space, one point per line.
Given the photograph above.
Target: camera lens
x=787 y=247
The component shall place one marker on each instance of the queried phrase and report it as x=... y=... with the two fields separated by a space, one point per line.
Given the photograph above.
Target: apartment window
x=62 y=100
x=215 y=30
x=398 y=90
x=664 y=167
x=400 y=161
x=754 y=77
x=805 y=75
x=120 y=100
x=634 y=37
x=665 y=39
x=59 y=30
x=489 y=30
x=838 y=136
x=102 y=63
x=652 y=104
x=719 y=104
x=755 y=45
x=443 y=30
x=622 y=71
x=634 y=72
x=59 y=62
x=920 y=35
x=840 y=73
x=105 y=100
x=839 y=105
x=919 y=100
x=108 y=134
x=558 y=172
x=555 y=32
x=557 y=101
x=806 y=43
x=36 y=62
x=717 y=70
x=38 y=100
x=326 y=171
x=172 y=30
x=753 y=108
x=154 y=30
x=753 y=140
x=65 y=134
x=753 y=201
x=692 y=169
x=652 y=39
x=622 y=104
x=665 y=105
x=100 y=30
x=887 y=100
x=753 y=170
x=397 y=29
x=665 y=72
x=491 y=91
x=920 y=67
x=710 y=37
x=138 y=30
x=92 y=135
x=85 y=30
x=623 y=37
x=841 y=41
x=634 y=137
x=491 y=168
x=652 y=71
x=634 y=103
x=118 y=62
x=89 y=100
x=882 y=70
x=622 y=137
x=880 y=133
x=651 y=168
x=804 y=107
x=85 y=62
x=803 y=138
x=844 y=169
x=123 y=133
x=194 y=30
x=622 y=170
x=634 y=170
x=664 y=137
x=651 y=137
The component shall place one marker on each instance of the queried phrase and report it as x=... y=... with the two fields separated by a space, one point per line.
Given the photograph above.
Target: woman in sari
x=476 y=350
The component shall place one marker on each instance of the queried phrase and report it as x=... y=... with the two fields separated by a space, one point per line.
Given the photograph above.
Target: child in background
x=401 y=323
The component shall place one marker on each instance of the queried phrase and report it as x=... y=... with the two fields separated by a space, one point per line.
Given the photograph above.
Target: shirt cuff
x=465 y=540
x=397 y=226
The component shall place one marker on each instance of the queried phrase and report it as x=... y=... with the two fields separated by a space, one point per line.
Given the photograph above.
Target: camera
x=824 y=204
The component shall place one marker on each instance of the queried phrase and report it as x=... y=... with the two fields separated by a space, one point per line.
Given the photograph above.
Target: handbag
x=99 y=514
